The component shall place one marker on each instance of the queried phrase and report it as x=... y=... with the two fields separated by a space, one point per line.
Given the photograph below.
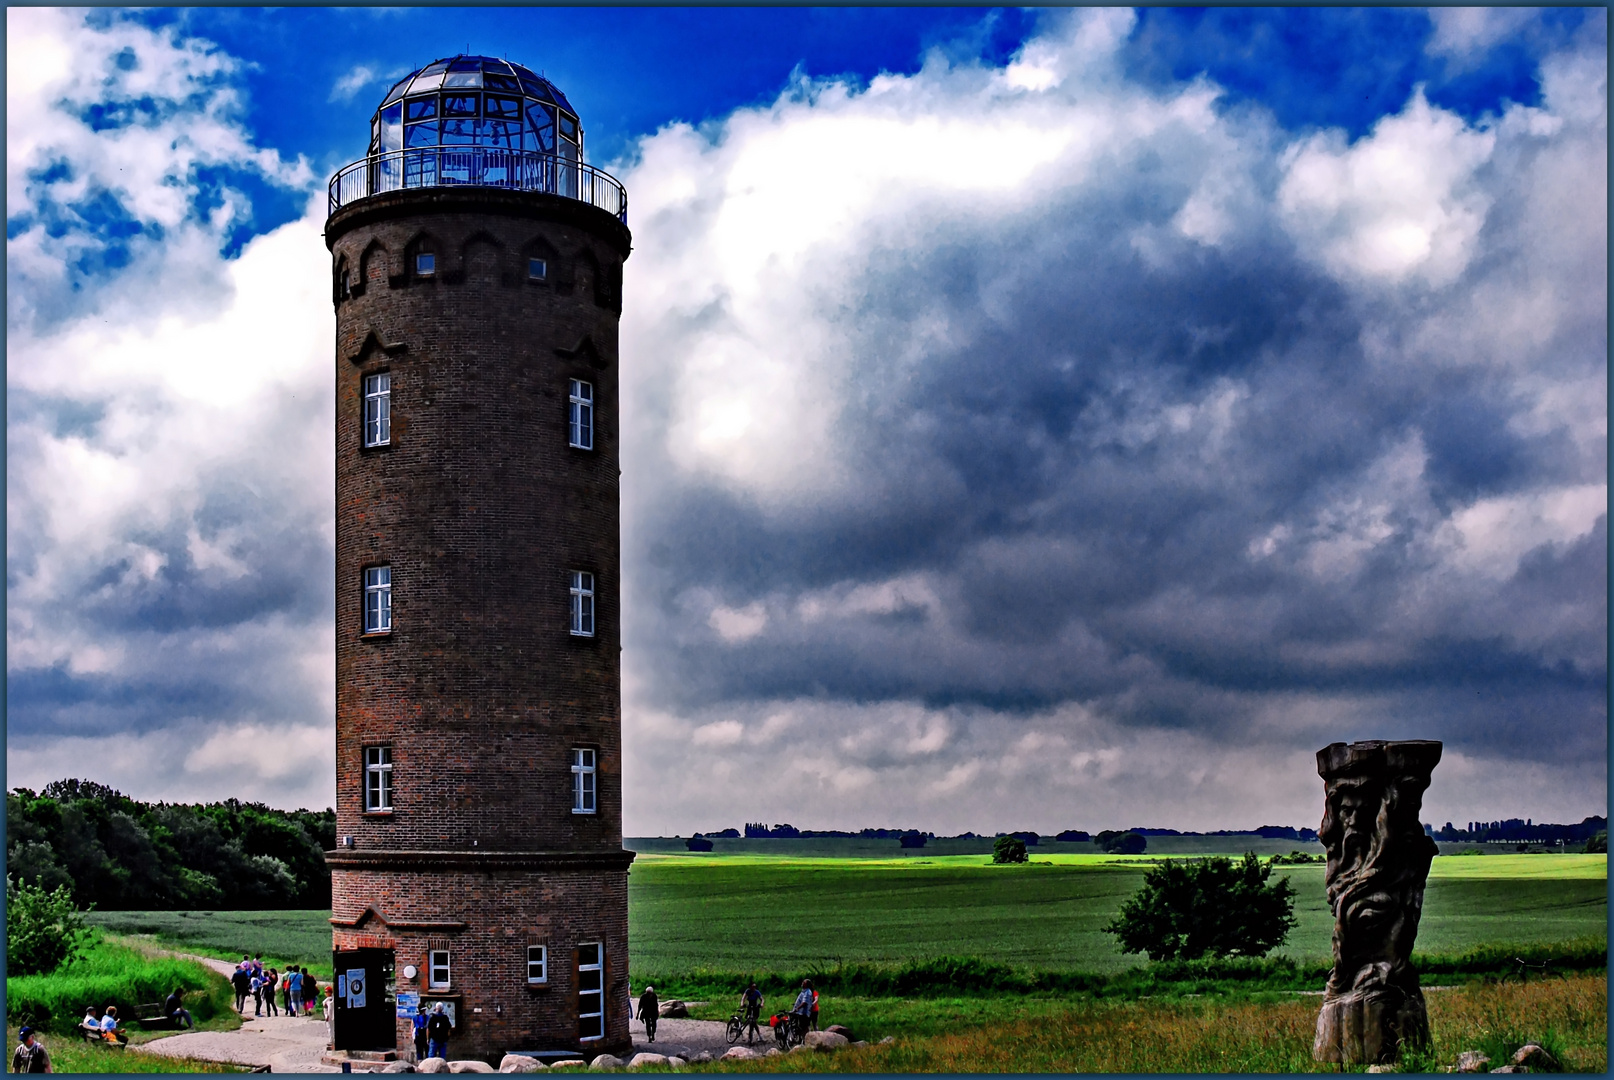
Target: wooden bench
x=153 y=1016
x=90 y=1035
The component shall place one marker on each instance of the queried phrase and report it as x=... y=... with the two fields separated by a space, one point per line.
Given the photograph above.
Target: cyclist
x=751 y=1009
x=801 y=1011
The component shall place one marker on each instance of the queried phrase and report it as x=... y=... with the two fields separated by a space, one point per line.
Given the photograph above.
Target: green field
x=759 y=913
x=745 y=913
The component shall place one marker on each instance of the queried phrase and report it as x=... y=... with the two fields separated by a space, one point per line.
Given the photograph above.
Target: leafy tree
x=1598 y=843
x=1217 y=906
x=44 y=930
x=1121 y=843
x=1009 y=849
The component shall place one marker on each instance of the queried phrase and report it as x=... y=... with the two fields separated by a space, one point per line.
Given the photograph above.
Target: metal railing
x=478 y=166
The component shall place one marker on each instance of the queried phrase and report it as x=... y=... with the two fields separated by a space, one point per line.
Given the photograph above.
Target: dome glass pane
x=477 y=101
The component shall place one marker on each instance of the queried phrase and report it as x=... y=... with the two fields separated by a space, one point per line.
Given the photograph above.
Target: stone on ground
x=675 y=1061
x=569 y=1063
x=739 y=1053
x=519 y=1063
x=606 y=1061
x=860 y=1043
x=841 y=1030
x=470 y=1065
x=398 y=1067
x=1512 y=1069
x=1533 y=1056
x=639 y=1061
x=888 y=1039
x=1381 y=1068
x=701 y=1058
x=825 y=1040
x=431 y=1065
x=1472 y=1061
x=674 y=1010
x=774 y=1051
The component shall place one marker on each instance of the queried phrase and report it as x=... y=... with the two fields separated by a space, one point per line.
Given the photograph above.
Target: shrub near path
x=1569 y=1017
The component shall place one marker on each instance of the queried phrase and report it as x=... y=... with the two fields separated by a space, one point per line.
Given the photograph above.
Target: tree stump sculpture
x=1378 y=861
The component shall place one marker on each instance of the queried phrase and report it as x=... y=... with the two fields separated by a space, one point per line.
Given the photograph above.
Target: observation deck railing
x=478 y=166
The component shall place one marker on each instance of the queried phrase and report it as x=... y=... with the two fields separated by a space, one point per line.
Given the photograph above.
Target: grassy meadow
x=975 y=967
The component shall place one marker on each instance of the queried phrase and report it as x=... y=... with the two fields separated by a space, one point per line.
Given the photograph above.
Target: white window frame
x=582 y=603
x=433 y=966
x=585 y=781
x=378 y=779
x=378 y=599
x=425 y=263
x=580 y=427
x=537 y=964
x=599 y=966
x=378 y=409
x=541 y=265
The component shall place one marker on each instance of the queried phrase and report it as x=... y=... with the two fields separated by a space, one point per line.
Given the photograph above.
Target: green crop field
x=757 y=913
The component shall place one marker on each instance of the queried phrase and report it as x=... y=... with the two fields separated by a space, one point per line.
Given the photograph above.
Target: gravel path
x=686 y=1037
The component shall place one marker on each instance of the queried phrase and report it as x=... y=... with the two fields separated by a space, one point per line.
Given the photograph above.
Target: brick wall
x=481 y=510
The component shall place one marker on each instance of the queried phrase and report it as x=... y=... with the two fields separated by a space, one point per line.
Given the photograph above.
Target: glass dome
x=477 y=101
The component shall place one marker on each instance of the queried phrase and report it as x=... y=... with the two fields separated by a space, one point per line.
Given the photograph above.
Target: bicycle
x=735 y=1029
x=789 y=1030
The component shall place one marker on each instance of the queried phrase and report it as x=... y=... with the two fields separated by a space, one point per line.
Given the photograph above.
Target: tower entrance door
x=364 y=1000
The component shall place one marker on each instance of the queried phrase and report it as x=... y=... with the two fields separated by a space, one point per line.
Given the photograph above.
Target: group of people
x=431 y=1032
x=804 y=1011
x=297 y=986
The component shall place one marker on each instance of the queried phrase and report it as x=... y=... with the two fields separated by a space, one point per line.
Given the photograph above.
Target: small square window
x=425 y=264
x=580 y=430
x=537 y=963
x=378 y=600
x=582 y=603
x=437 y=973
x=378 y=409
x=583 y=782
x=377 y=779
x=537 y=269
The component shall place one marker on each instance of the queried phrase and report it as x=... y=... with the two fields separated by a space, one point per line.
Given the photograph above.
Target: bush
x=1214 y=906
x=698 y=843
x=912 y=840
x=1598 y=844
x=111 y=974
x=1009 y=849
x=44 y=930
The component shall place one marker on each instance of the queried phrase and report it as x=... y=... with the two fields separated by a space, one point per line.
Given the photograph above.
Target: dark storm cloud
x=1085 y=454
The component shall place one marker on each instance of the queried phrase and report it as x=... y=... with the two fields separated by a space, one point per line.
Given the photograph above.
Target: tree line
x=121 y=854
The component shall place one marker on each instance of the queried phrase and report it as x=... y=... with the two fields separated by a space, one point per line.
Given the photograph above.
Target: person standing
x=801 y=1012
x=649 y=1012
x=257 y=995
x=271 y=979
x=294 y=989
x=438 y=1029
x=241 y=981
x=30 y=1055
x=751 y=1003
x=310 y=992
x=815 y=1010
x=418 y=1022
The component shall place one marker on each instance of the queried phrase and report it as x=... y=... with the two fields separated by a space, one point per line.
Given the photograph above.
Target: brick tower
x=477 y=270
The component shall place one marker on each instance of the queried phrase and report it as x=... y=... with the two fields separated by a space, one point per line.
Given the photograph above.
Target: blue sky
x=1037 y=418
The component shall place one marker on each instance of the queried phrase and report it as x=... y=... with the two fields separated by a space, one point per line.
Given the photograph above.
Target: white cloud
x=1465 y=34
x=348 y=86
x=741 y=624
x=1400 y=205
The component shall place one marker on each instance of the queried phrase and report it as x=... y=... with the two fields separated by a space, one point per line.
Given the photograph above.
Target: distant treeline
x=1521 y=830
x=121 y=854
x=756 y=830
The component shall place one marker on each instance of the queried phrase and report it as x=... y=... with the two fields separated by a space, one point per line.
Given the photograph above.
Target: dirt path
x=284 y=1043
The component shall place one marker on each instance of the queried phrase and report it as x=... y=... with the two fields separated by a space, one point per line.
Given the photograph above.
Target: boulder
x=825 y=1040
x=774 y=1051
x=841 y=1031
x=1534 y=1057
x=801 y=1049
x=740 y=1053
x=1512 y=1069
x=888 y=1040
x=431 y=1065
x=675 y=1061
x=639 y=1061
x=471 y=1065
x=701 y=1058
x=398 y=1067
x=606 y=1061
x=1472 y=1061
x=514 y=1063
x=1381 y=1068
x=673 y=1010
x=569 y=1063
x=860 y=1044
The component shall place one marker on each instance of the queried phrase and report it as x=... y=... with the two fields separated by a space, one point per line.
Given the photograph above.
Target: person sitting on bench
x=109 y=1026
x=175 y=1009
